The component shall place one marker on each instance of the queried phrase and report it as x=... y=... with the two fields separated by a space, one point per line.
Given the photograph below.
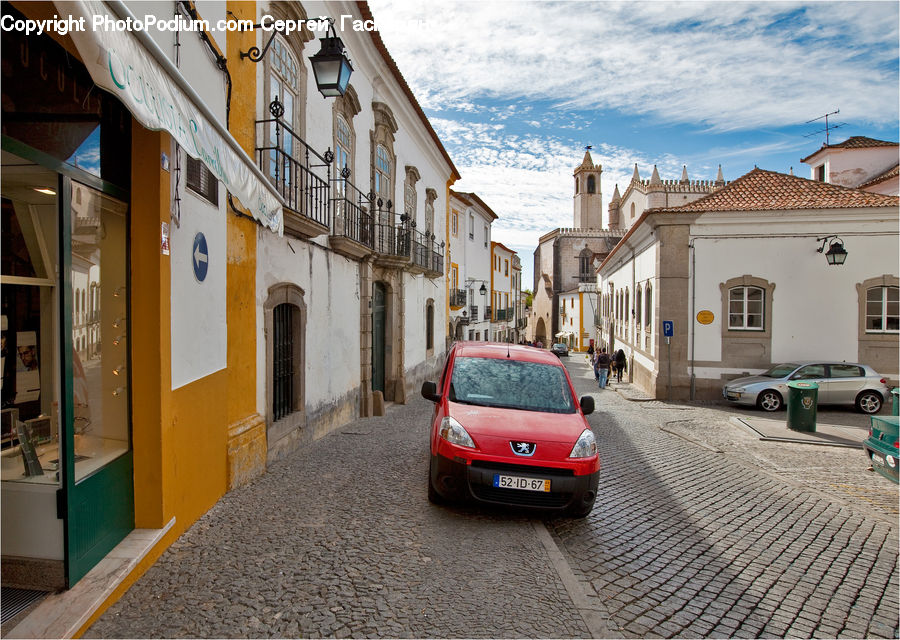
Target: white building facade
x=470 y=267
x=858 y=162
x=739 y=277
x=351 y=303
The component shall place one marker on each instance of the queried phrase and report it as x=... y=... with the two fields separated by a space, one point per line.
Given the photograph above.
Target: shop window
x=31 y=335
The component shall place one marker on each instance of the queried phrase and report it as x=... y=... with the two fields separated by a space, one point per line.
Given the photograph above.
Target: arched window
x=591 y=185
x=383 y=185
x=283 y=78
x=625 y=311
x=584 y=265
x=343 y=144
x=638 y=307
x=430 y=197
x=883 y=309
x=410 y=200
x=429 y=325
x=384 y=160
x=285 y=325
x=648 y=306
x=632 y=209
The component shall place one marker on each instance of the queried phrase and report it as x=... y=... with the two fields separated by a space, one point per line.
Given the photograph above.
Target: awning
x=564 y=334
x=132 y=67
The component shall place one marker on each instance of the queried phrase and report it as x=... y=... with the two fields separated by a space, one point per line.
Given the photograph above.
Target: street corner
x=772 y=430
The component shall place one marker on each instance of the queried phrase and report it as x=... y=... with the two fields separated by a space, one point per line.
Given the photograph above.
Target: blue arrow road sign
x=200 y=257
x=668 y=328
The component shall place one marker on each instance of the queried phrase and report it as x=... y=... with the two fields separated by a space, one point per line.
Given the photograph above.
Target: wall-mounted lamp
x=836 y=254
x=331 y=66
x=470 y=282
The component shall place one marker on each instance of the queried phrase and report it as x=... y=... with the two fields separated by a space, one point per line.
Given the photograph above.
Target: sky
x=517 y=90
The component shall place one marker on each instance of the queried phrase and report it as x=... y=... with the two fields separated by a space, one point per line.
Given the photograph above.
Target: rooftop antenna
x=828 y=128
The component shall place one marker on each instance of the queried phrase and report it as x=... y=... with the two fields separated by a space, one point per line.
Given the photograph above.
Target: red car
x=508 y=429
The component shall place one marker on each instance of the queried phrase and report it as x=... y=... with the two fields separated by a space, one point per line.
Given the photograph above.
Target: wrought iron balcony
x=487 y=313
x=391 y=240
x=300 y=174
x=473 y=312
x=353 y=234
x=457 y=297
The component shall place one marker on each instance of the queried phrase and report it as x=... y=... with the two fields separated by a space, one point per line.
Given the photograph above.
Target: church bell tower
x=588 y=199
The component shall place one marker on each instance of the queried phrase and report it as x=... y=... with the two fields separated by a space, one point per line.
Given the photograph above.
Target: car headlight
x=585 y=446
x=454 y=433
x=738 y=389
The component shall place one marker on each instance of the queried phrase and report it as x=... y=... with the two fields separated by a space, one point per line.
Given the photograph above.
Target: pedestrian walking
x=620 y=364
x=601 y=368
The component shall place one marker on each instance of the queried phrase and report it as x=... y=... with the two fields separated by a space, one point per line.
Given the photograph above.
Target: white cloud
x=725 y=65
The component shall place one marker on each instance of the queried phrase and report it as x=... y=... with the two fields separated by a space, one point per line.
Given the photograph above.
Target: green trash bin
x=895 y=401
x=801 y=405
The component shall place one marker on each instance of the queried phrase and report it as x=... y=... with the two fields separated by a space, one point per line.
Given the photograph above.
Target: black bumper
x=458 y=481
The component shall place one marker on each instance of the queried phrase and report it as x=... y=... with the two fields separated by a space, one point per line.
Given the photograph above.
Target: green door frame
x=98 y=509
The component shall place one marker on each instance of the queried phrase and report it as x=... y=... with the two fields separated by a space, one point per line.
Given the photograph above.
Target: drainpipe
x=693 y=311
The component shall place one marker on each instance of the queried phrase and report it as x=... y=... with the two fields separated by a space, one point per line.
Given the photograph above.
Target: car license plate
x=877 y=459
x=518 y=482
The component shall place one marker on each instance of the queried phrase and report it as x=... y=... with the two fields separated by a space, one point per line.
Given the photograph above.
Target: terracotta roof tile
x=861 y=142
x=854 y=142
x=762 y=190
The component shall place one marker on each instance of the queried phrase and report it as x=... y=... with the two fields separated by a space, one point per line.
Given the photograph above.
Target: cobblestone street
x=704 y=530
x=699 y=530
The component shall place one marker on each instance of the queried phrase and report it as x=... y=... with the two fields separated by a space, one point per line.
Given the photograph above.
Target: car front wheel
x=769 y=400
x=868 y=402
x=433 y=496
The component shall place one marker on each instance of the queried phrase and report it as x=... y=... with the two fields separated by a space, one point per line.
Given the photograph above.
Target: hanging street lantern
x=836 y=254
x=331 y=66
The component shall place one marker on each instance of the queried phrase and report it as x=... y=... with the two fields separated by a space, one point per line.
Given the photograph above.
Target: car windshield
x=781 y=370
x=511 y=384
x=559 y=346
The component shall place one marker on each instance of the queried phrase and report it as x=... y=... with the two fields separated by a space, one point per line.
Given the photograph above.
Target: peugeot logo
x=522 y=448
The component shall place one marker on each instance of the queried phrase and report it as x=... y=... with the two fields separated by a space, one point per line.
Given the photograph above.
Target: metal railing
x=351 y=211
x=457 y=297
x=487 y=313
x=473 y=312
x=289 y=161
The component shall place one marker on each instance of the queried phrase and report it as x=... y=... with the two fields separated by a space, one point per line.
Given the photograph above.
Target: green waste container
x=895 y=401
x=801 y=405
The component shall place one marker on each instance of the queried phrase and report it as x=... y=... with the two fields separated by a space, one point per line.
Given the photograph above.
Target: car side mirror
x=587 y=404
x=429 y=391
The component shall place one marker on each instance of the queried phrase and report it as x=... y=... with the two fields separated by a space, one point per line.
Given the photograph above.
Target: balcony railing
x=352 y=207
x=421 y=255
x=457 y=297
x=289 y=162
x=473 y=312
x=487 y=313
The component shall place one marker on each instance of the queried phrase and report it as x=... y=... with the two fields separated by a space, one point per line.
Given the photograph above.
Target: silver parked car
x=839 y=383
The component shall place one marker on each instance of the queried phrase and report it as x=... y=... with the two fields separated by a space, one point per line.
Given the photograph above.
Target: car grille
x=522 y=468
x=522 y=498
x=490 y=493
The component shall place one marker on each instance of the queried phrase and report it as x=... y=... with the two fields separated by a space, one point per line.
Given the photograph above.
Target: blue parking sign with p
x=668 y=328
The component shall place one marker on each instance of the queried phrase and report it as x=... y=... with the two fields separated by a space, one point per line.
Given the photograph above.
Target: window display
x=32 y=339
